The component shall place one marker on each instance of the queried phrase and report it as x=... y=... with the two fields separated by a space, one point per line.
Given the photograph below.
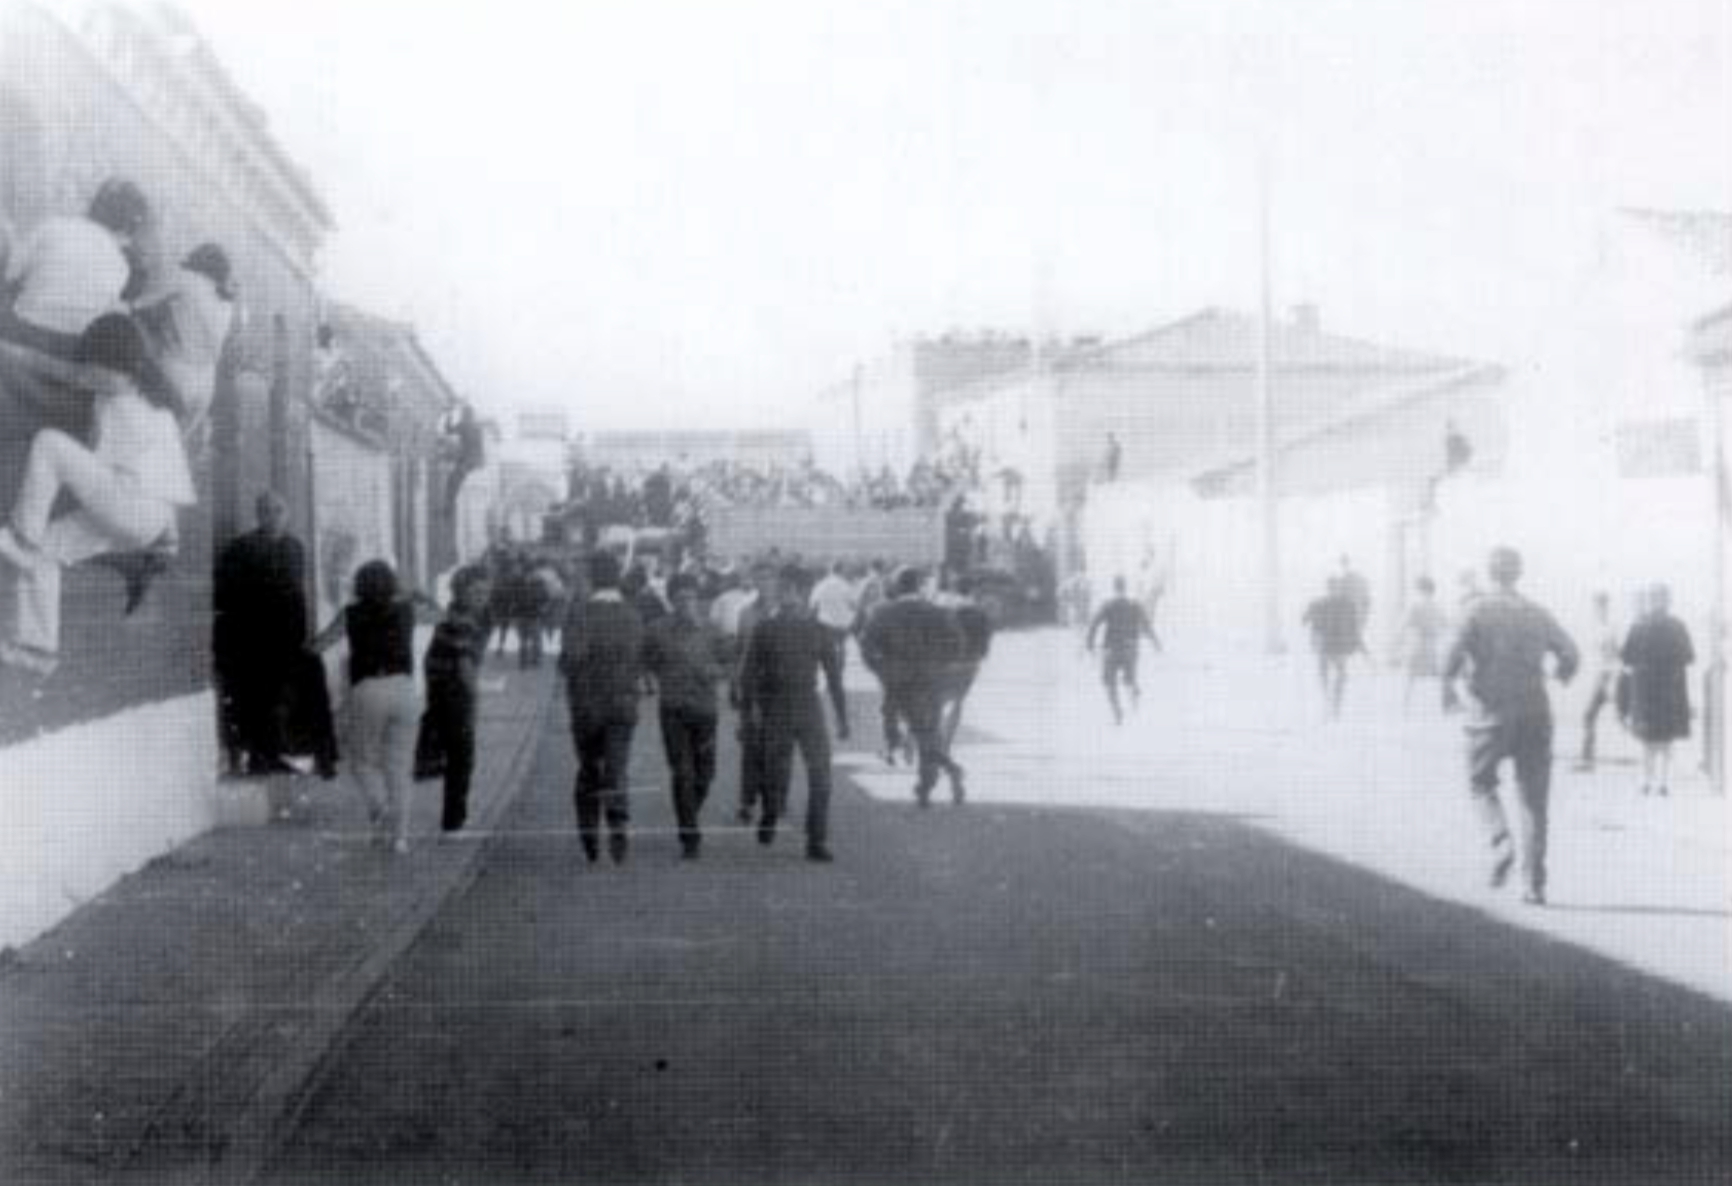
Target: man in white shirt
x=70 y=271
x=66 y=274
x=835 y=602
x=729 y=604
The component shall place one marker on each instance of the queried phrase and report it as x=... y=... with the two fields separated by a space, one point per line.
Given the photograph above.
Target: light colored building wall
x=126 y=94
x=867 y=421
x=355 y=511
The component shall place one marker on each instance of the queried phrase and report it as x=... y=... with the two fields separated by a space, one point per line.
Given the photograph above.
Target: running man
x=1125 y=624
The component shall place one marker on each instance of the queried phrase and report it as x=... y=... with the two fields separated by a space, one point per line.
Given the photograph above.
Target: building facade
x=885 y=414
x=132 y=91
x=380 y=461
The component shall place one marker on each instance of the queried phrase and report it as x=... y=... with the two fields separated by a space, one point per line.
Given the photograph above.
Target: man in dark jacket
x=976 y=631
x=601 y=658
x=1122 y=623
x=779 y=697
x=913 y=645
x=1334 y=622
x=1503 y=646
x=259 y=634
x=688 y=658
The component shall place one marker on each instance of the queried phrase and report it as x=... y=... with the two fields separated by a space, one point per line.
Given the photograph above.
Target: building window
x=1658 y=448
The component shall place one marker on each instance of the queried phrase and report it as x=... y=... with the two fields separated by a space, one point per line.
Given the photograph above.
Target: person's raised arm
x=1147 y=628
x=426 y=608
x=1453 y=664
x=325 y=639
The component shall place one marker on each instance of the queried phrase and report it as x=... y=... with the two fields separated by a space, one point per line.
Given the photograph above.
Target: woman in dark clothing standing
x=379 y=625
x=1658 y=655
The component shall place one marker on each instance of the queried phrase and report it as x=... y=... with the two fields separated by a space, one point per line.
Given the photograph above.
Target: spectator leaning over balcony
x=126 y=489
x=63 y=276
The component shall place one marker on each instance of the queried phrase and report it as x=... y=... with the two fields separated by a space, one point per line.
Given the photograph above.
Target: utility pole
x=859 y=436
x=1715 y=707
x=1267 y=505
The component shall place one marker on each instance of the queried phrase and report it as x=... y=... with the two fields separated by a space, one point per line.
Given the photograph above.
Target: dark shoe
x=923 y=796
x=958 y=788
x=767 y=830
x=1535 y=897
x=745 y=815
x=616 y=846
x=591 y=849
x=819 y=854
x=689 y=850
x=1500 y=869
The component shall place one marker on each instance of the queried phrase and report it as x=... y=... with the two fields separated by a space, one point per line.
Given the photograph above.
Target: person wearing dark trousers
x=1124 y=624
x=452 y=668
x=752 y=770
x=976 y=630
x=258 y=634
x=601 y=658
x=1334 y=625
x=779 y=693
x=836 y=606
x=686 y=655
x=914 y=644
x=1502 y=645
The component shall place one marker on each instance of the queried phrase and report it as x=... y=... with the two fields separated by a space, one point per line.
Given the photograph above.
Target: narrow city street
x=1102 y=968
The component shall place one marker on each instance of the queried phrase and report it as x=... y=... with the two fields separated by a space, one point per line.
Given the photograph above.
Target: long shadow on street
x=999 y=994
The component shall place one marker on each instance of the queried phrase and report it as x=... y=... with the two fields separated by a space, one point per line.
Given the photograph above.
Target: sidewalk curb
x=282 y=1091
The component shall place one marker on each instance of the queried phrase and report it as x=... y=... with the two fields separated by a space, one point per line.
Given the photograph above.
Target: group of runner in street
x=767 y=635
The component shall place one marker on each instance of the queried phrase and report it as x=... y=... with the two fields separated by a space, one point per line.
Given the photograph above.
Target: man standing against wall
x=258 y=636
x=1503 y=645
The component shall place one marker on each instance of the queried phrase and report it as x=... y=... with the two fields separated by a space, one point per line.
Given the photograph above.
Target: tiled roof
x=1363 y=406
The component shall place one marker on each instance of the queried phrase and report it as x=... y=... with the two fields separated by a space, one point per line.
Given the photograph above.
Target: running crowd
x=755 y=642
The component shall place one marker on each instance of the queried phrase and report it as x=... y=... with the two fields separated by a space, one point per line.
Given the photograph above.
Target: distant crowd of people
x=675 y=496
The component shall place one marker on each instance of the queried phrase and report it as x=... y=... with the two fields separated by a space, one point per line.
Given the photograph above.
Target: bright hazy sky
x=664 y=213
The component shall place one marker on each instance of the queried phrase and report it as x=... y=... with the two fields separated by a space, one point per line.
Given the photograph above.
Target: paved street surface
x=1224 y=943
x=163 y=1030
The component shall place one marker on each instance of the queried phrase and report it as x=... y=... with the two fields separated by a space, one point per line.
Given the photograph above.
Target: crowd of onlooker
x=674 y=495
